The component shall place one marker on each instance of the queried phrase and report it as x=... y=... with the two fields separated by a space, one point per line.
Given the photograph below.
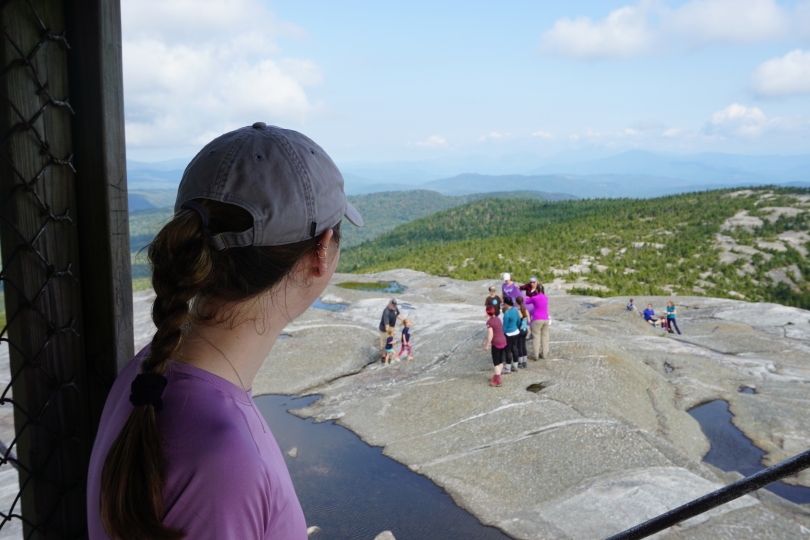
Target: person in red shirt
x=497 y=340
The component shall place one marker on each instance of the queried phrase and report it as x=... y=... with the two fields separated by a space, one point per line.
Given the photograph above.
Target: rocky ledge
x=584 y=444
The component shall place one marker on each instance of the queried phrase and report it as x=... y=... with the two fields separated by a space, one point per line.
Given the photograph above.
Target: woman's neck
x=235 y=354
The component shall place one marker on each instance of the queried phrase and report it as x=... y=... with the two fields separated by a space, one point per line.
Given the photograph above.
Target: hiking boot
x=495 y=381
x=506 y=369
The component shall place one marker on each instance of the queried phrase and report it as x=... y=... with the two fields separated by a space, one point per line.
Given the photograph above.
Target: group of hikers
x=667 y=322
x=519 y=314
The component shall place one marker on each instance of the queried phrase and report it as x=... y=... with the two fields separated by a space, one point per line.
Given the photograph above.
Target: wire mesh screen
x=43 y=417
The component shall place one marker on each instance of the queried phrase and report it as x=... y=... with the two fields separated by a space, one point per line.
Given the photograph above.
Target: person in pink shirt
x=540 y=322
x=496 y=340
x=181 y=450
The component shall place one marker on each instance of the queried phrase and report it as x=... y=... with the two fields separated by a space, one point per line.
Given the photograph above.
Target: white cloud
x=649 y=26
x=495 y=136
x=783 y=76
x=729 y=21
x=624 y=32
x=195 y=69
x=739 y=120
x=672 y=132
x=434 y=141
x=543 y=135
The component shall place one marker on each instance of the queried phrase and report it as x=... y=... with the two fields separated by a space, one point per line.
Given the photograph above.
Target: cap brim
x=353 y=215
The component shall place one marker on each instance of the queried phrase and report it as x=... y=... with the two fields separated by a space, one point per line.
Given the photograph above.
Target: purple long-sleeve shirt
x=226 y=477
x=540 y=304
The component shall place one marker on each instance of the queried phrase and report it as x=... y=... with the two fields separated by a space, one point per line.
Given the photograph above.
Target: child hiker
x=523 y=331
x=389 y=346
x=406 y=339
x=497 y=340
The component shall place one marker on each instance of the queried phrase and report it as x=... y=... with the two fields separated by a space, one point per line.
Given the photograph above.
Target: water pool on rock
x=350 y=490
x=732 y=451
x=389 y=287
x=317 y=304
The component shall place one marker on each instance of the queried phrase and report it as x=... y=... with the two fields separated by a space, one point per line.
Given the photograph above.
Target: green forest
x=621 y=246
x=681 y=244
x=382 y=212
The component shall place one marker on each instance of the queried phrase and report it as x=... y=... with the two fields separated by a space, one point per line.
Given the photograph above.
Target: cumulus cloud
x=651 y=26
x=196 y=68
x=624 y=32
x=742 y=121
x=789 y=74
x=434 y=141
x=729 y=21
x=543 y=135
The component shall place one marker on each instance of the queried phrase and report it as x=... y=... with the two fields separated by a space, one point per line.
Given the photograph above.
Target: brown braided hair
x=185 y=268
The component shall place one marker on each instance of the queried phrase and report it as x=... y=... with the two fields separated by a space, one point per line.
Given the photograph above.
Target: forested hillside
x=750 y=244
x=382 y=212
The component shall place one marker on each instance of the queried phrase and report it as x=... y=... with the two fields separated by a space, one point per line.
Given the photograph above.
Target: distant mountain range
x=635 y=173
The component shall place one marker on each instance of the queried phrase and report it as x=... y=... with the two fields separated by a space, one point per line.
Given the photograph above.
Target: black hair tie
x=200 y=209
x=147 y=389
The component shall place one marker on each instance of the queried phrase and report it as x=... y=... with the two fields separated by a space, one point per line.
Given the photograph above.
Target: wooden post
x=65 y=243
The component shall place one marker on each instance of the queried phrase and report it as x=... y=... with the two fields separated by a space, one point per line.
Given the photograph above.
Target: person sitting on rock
x=649 y=316
x=493 y=301
x=631 y=306
x=497 y=341
x=406 y=339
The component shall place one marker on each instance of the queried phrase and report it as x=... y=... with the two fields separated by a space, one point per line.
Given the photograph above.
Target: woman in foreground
x=182 y=450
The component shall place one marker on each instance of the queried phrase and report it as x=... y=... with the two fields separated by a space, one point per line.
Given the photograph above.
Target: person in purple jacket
x=182 y=451
x=540 y=323
x=510 y=288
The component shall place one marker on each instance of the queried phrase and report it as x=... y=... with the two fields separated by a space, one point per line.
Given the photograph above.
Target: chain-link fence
x=47 y=420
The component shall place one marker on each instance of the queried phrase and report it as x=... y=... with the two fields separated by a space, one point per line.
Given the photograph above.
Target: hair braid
x=134 y=471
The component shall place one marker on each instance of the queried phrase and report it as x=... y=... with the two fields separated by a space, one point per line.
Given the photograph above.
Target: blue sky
x=380 y=81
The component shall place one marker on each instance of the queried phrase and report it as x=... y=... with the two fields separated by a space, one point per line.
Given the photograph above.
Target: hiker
x=540 y=323
x=388 y=320
x=406 y=339
x=493 y=301
x=181 y=449
x=509 y=288
x=649 y=316
x=389 y=346
x=671 y=312
x=631 y=306
x=497 y=341
x=523 y=331
x=530 y=289
x=511 y=317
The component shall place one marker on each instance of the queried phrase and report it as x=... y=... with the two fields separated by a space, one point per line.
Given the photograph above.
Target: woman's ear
x=322 y=256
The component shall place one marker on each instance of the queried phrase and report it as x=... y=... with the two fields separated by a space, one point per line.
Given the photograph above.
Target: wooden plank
x=102 y=217
x=63 y=373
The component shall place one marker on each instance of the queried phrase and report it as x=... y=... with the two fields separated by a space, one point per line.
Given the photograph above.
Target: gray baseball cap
x=290 y=186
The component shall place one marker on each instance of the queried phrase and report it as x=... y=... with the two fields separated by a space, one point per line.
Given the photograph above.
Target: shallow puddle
x=390 y=287
x=668 y=368
x=317 y=304
x=732 y=451
x=350 y=490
